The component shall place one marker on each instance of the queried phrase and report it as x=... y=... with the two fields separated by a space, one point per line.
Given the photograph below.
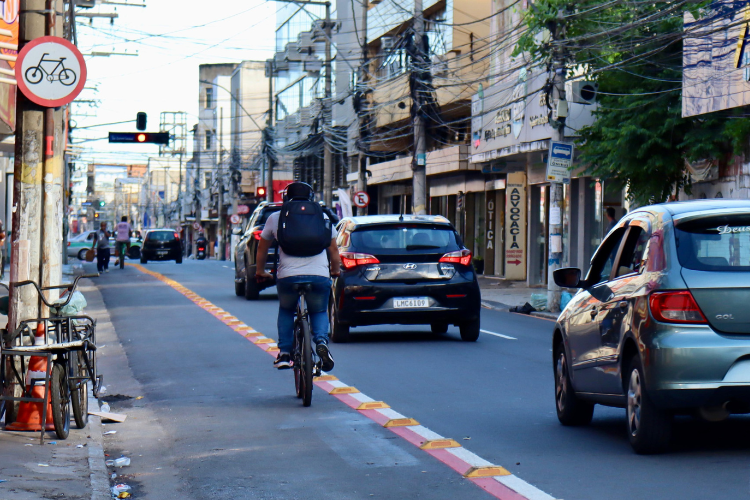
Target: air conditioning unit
x=583 y=92
x=387 y=43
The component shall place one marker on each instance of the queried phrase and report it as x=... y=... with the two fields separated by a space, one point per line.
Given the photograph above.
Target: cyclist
x=122 y=239
x=291 y=270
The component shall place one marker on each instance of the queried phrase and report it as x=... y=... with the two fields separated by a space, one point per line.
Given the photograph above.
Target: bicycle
x=121 y=248
x=305 y=361
x=65 y=76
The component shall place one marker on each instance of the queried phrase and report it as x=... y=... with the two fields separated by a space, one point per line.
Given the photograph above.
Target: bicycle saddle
x=302 y=287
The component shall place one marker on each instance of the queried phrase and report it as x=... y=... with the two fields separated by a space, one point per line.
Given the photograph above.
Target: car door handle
x=623 y=304
x=593 y=312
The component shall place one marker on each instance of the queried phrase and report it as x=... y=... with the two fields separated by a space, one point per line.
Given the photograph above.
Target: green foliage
x=634 y=50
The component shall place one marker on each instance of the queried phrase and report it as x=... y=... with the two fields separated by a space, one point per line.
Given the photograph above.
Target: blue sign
x=559 y=162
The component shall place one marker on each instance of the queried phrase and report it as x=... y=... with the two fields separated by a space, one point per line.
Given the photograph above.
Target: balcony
x=441 y=161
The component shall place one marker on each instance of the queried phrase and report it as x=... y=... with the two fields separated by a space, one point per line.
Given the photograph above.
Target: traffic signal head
x=102 y=203
x=140 y=137
x=96 y=215
x=140 y=120
x=260 y=192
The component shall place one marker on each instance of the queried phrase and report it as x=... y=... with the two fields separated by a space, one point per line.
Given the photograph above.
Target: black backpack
x=303 y=230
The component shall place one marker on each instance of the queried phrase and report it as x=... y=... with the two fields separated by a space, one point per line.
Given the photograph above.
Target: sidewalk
x=72 y=469
x=501 y=294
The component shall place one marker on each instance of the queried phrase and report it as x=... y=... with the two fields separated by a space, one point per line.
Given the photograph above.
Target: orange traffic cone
x=30 y=414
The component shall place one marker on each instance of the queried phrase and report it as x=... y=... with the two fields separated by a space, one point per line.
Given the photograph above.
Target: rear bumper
x=152 y=255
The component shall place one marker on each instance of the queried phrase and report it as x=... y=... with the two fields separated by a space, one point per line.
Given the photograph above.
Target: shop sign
x=515 y=226
x=490 y=236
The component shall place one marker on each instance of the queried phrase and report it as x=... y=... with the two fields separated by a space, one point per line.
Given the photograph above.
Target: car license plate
x=411 y=303
x=162 y=253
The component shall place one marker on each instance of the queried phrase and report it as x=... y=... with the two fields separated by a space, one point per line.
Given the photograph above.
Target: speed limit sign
x=361 y=199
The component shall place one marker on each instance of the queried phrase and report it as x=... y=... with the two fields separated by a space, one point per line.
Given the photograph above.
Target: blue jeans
x=317 y=307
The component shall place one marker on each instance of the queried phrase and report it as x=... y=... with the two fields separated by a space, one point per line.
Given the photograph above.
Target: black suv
x=247 y=248
x=407 y=270
x=162 y=244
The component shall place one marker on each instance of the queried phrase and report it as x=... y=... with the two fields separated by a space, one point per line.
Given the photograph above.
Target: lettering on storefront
x=515 y=227
x=537 y=120
x=490 y=237
x=503 y=116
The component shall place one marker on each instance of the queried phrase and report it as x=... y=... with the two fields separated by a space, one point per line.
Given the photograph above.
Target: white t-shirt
x=289 y=265
x=123 y=231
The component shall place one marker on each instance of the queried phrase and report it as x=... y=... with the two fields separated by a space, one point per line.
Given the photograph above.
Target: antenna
x=402 y=206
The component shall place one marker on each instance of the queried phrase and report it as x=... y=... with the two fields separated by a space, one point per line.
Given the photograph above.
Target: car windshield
x=265 y=214
x=718 y=243
x=401 y=238
x=160 y=236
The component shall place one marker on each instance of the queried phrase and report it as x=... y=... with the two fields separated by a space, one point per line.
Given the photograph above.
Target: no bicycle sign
x=50 y=71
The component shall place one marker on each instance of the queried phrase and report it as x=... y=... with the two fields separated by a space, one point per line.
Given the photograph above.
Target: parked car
x=162 y=244
x=409 y=270
x=247 y=247
x=80 y=243
x=661 y=324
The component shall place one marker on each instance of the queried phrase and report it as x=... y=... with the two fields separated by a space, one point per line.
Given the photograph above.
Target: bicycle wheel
x=122 y=256
x=79 y=396
x=296 y=360
x=60 y=397
x=34 y=75
x=307 y=362
x=67 y=77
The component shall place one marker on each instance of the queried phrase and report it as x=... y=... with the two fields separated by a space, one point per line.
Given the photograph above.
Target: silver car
x=661 y=323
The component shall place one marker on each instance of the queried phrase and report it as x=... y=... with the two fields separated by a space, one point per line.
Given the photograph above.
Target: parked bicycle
x=59 y=73
x=306 y=363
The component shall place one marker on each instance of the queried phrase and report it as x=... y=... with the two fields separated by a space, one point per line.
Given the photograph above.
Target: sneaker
x=325 y=357
x=106 y=270
x=283 y=361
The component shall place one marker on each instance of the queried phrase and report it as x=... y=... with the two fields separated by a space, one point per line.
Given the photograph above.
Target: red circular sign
x=243 y=209
x=50 y=71
x=361 y=199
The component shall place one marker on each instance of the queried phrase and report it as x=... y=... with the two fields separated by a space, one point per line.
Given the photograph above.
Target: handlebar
x=69 y=287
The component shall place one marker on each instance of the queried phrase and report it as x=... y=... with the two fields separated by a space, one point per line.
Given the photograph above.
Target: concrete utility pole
x=327 y=122
x=222 y=213
x=419 y=161
x=556 y=242
x=269 y=135
x=362 y=115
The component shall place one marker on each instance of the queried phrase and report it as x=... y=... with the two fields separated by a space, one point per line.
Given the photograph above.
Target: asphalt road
x=232 y=428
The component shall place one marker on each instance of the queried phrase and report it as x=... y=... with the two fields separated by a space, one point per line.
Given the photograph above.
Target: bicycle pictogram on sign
x=59 y=73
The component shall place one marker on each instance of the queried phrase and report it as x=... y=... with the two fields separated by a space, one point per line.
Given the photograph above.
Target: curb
x=99 y=474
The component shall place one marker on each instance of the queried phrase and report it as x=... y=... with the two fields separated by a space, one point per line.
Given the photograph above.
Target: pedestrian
x=612 y=218
x=307 y=254
x=2 y=250
x=122 y=239
x=101 y=242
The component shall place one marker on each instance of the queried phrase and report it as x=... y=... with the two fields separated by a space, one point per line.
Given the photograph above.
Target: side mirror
x=568 y=277
x=237 y=231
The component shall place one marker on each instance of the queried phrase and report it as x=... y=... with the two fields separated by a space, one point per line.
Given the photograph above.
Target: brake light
x=462 y=257
x=68 y=243
x=676 y=307
x=256 y=234
x=177 y=236
x=351 y=260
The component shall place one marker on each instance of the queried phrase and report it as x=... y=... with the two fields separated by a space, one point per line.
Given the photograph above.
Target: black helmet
x=299 y=191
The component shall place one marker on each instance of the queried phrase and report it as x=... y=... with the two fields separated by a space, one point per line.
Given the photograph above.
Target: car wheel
x=82 y=253
x=178 y=260
x=470 y=331
x=134 y=252
x=570 y=409
x=439 y=328
x=649 y=427
x=339 y=332
x=252 y=291
x=239 y=288
x=143 y=259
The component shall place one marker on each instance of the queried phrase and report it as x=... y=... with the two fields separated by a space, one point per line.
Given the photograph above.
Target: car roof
x=682 y=209
x=369 y=220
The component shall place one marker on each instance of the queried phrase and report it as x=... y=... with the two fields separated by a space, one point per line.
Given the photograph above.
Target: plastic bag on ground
x=74 y=307
x=539 y=301
x=565 y=297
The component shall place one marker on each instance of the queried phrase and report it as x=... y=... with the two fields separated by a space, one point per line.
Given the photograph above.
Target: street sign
x=361 y=199
x=196 y=226
x=50 y=71
x=559 y=161
x=243 y=209
x=234 y=219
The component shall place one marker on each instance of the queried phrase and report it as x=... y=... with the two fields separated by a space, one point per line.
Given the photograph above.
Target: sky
x=171 y=39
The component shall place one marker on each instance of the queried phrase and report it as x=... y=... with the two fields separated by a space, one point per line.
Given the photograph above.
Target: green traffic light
x=101 y=203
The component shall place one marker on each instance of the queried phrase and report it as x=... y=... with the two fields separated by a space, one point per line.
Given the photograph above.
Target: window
x=719 y=243
x=209 y=136
x=160 y=236
x=209 y=97
x=399 y=238
x=634 y=252
x=601 y=265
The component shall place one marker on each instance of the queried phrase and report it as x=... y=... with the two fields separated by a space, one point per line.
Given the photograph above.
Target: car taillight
x=462 y=257
x=676 y=307
x=256 y=234
x=177 y=236
x=351 y=260
x=68 y=243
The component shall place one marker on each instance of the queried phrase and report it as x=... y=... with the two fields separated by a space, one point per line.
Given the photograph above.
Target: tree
x=634 y=51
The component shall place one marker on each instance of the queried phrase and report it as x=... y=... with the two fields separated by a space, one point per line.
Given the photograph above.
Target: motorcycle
x=200 y=250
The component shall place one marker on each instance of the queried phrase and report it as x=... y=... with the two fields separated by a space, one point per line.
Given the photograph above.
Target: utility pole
x=327 y=122
x=221 y=213
x=268 y=136
x=363 y=112
x=418 y=73
x=556 y=242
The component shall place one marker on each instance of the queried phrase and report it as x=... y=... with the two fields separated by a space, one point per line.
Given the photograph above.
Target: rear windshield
x=397 y=239
x=265 y=214
x=160 y=236
x=720 y=243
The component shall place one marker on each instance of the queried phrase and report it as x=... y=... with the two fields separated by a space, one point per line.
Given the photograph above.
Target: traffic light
x=140 y=120
x=96 y=215
x=140 y=137
x=260 y=192
x=102 y=203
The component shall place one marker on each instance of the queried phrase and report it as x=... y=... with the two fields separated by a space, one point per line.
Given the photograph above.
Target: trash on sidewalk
x=109 y=433
x=120 y=488
x=119 y=462
x=113 y=417
x=565 y=297
x=124 y=494
x=524 y=309
x=539 y=301
x=104 y=408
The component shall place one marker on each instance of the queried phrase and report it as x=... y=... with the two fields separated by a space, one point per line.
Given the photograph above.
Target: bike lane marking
x=494 y=479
